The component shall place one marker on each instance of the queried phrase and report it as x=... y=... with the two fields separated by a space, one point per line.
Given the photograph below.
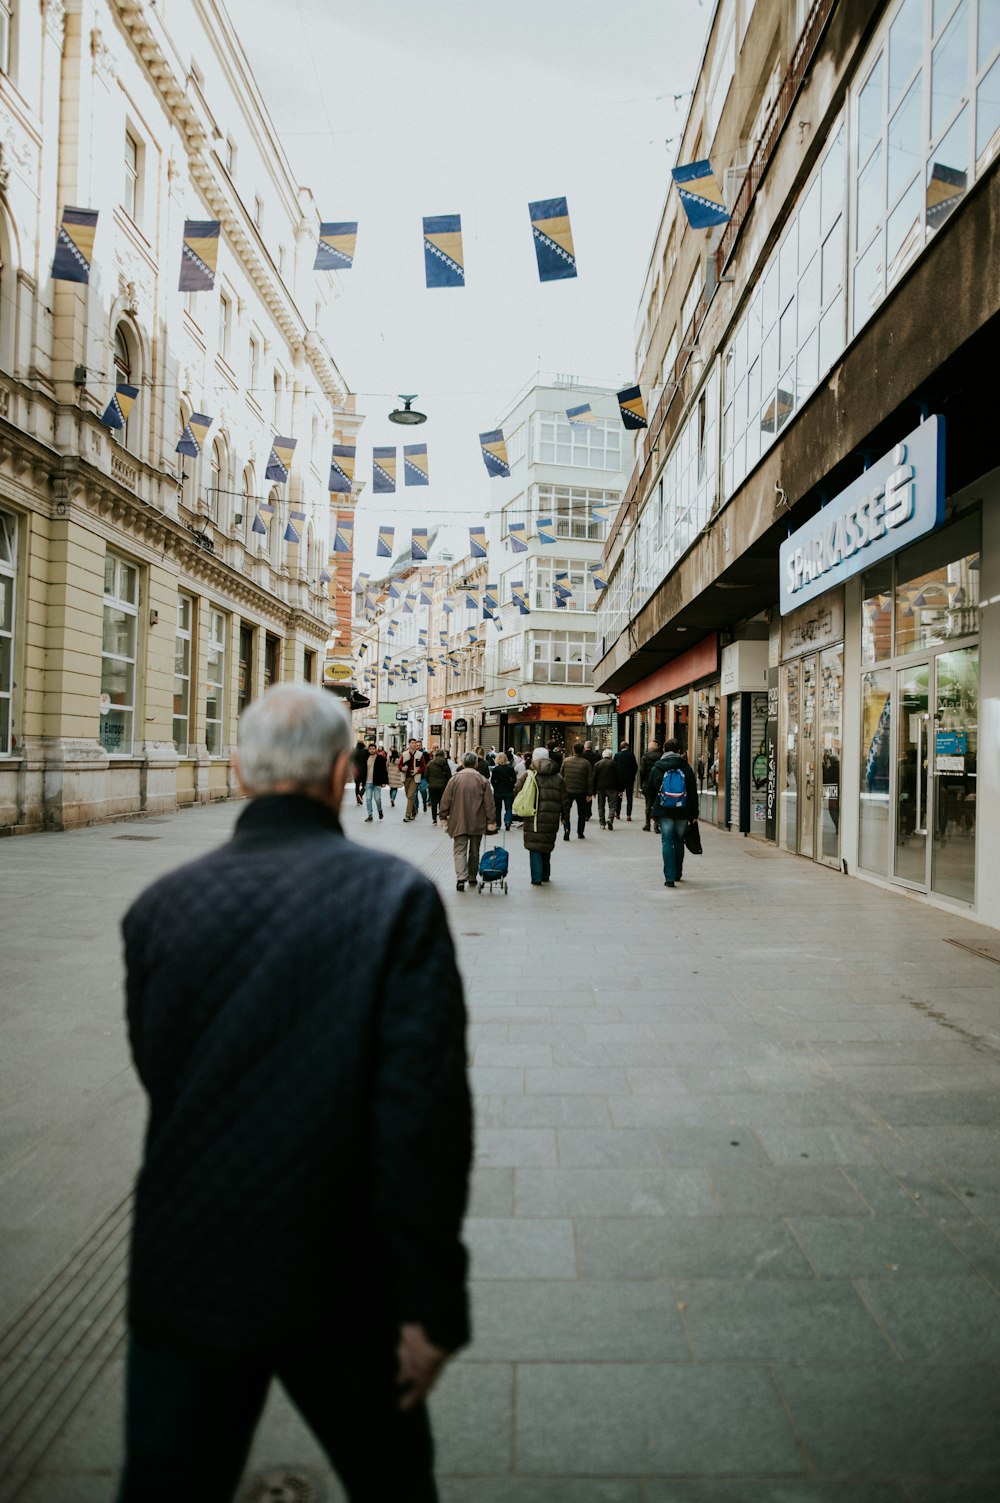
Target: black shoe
x=565 y=834
x=669 y=884
x=581 y=836
x=368 y=820
x=459 y=886
x=536 y=884
x=646 y=827
x=380 y=814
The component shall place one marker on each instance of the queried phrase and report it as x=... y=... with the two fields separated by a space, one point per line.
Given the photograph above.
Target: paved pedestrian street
x=735 y=1220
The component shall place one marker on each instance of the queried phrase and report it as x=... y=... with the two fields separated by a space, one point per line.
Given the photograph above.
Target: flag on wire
x=598 y=576
x=545 y=527
x=517 y=533
x=280 y=461
x=553 y=239
x=195 y=431
x=335 y=251
x=472 y=597
x=343 y=536
x=415 y=470
x=424 y=596
x=582 y=416
x=418 y=543
x=385 y=537
x=292 y=534
x=601 y=513
x=394 y=592
x=407 y=607
x=448 y=609
x=632 y=407
x=75 y=245
x=342 y=468
x=444 y=260
x=325 y=576
x=264 y=509
x=361 y=583
x=491 y=596
x=700 y=195
x=116 y=413
x=384 y=471
x=199 y=255
x=494 y=452
x=477 y=542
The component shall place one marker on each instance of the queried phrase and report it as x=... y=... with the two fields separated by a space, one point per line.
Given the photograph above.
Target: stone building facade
x=140 y=608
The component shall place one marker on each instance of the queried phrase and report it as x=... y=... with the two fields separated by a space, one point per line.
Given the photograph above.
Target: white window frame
x=183 y=648
x=117 y=571
x=8 y=583
x=225 y=323
x=596 y=447
x=571 y=509
x=551 y=655
x=132 y=193
x=215 y=682
x=6 y=36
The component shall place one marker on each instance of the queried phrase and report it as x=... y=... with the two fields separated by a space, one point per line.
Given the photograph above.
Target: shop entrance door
x=809 y=806
x=910 y=850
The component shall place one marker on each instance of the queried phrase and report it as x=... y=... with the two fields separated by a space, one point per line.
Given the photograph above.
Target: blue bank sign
x=893 y=503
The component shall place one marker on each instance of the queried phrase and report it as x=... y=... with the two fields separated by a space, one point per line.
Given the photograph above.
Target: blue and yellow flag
x=444 y=260
x=415 y=470
x=264 y=509
x=280 y=462
x=199 y=255
x=700 y=195
x=601 y=513
x=116 y=413
x=361 y=583
x=292 y=534
x=418 y=543
x=477 y=542
x=632 y=407
x=343 y=537
x=424 y=596
x=598 y=576
x=561 y=587
x=258 y=524
x=945 y=186
x=583 y=416
x=407 y=607
x=545 y=527
x=195 y=431
x=75 y=245
x=335 y=251
x=472 y=635
x=517 y=532
x=325 y=576
x=491 y=596
x=385 y=537
x=520 y=599
x=394 y=592
x=472 y=597
x=448 y=609
x=553 y=239
x=383 y=471
x=494 y=452
x=342 y=468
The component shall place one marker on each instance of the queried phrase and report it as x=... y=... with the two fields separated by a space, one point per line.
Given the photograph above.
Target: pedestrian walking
x=516 y=761
x=606 y=788
x=551 y=807
x=423 y=789
x=592 y=756
x=503 y=778
x=650 y=757
x=467 y=809
x=438 y=775
x=675 y=806
x=556 y=754
x=412 y=766
x=627 y=768
x=395 y=778
x=578 y=775
x=376 y=778
x=482 y=766
x=306 y=1160
x=359 y=766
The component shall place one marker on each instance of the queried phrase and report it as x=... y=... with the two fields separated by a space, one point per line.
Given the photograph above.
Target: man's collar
x=286 y=812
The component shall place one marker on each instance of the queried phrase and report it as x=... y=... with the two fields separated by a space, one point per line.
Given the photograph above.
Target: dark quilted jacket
x=309 y=1136
x=553 y=807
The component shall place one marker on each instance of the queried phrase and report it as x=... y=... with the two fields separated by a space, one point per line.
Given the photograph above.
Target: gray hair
x=292 y=735
x=606 y=752
x=470 y=759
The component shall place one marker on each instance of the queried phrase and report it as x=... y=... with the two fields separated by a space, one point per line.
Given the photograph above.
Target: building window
x=123 y=377
x=182 y=674
x=559 y=657
x=230 y=155
x=132 y=200
x=253 y=369
x=244 y=520
x=595 y=448
x=6 y=30
x=572 y=509
x=215 y=683
x=281 y=259
x=258 y=211
x=225 y=323
x=215 y=485
x=541 y=575
x=309 y=666
x=8 y=579
x=118 y=655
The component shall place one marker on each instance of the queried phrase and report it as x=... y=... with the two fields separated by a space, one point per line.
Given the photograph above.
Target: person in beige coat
x=467 y=810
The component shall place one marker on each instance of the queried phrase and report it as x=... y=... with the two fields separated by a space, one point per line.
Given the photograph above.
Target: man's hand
x=420 y=1365
x=491 y=829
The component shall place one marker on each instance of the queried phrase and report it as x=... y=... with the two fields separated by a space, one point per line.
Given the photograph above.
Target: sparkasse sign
x=897 y=500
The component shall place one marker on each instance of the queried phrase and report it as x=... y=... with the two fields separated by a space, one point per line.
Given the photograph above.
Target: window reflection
x=949 y=69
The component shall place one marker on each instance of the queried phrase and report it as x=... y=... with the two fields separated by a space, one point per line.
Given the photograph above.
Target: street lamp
x=406 y=414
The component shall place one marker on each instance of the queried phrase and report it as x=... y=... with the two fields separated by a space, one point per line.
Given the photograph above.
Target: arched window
x=187 y=464
x=274 y=526
x=216 y=509
x=248 y=505
x=123 y=371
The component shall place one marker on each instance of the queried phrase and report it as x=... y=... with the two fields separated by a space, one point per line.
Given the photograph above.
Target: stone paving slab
x=735 y=1219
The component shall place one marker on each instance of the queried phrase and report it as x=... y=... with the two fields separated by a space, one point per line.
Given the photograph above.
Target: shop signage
x=812 y=626
x=771 y=747
x=897 y=500
x=337 y=673
x=491 y=717
x=590 y=715
x=447 y=714
x=435 y=730
x=949 y=744
x=461 y=726
x=386 y=713
x=601 y=717
x=402 y=716
x=744 y=667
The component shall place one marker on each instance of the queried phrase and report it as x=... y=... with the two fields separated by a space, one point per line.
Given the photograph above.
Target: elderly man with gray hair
x=467 y=808
x=307 y=1153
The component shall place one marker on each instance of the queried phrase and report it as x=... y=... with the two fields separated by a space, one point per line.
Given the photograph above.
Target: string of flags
x=700 y=195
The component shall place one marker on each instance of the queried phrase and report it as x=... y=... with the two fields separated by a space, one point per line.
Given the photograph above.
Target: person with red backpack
x=672 y=798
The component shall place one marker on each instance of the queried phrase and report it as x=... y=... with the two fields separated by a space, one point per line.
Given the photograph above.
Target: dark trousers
x=504 y=801
x=625 y=794
x=436 y=796
x=582 y=812
x=541 y=865
x=189 y=1423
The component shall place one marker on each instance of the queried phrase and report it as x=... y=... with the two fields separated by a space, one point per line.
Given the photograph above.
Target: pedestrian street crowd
x=554 y=789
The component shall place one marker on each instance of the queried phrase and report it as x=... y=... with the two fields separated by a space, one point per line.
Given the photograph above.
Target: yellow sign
x=337 y=673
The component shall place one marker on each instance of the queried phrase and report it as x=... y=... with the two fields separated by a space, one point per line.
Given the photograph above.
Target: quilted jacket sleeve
x=423 y=1123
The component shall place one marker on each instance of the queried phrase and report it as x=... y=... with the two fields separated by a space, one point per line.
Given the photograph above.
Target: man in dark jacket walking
x=437 y=775
x=606 y=787
x=627 y=768
x=650 y=757
x=307 y=1153
x=674 y=789
x=578 y=775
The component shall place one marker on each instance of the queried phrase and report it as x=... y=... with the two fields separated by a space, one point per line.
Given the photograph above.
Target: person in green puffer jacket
x=552 y=808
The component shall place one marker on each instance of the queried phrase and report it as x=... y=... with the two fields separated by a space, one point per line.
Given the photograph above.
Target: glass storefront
x=812 y=691
x=919 y=714
x=706 y=753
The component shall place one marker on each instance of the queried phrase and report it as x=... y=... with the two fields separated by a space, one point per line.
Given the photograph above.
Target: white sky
x=390 y=110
